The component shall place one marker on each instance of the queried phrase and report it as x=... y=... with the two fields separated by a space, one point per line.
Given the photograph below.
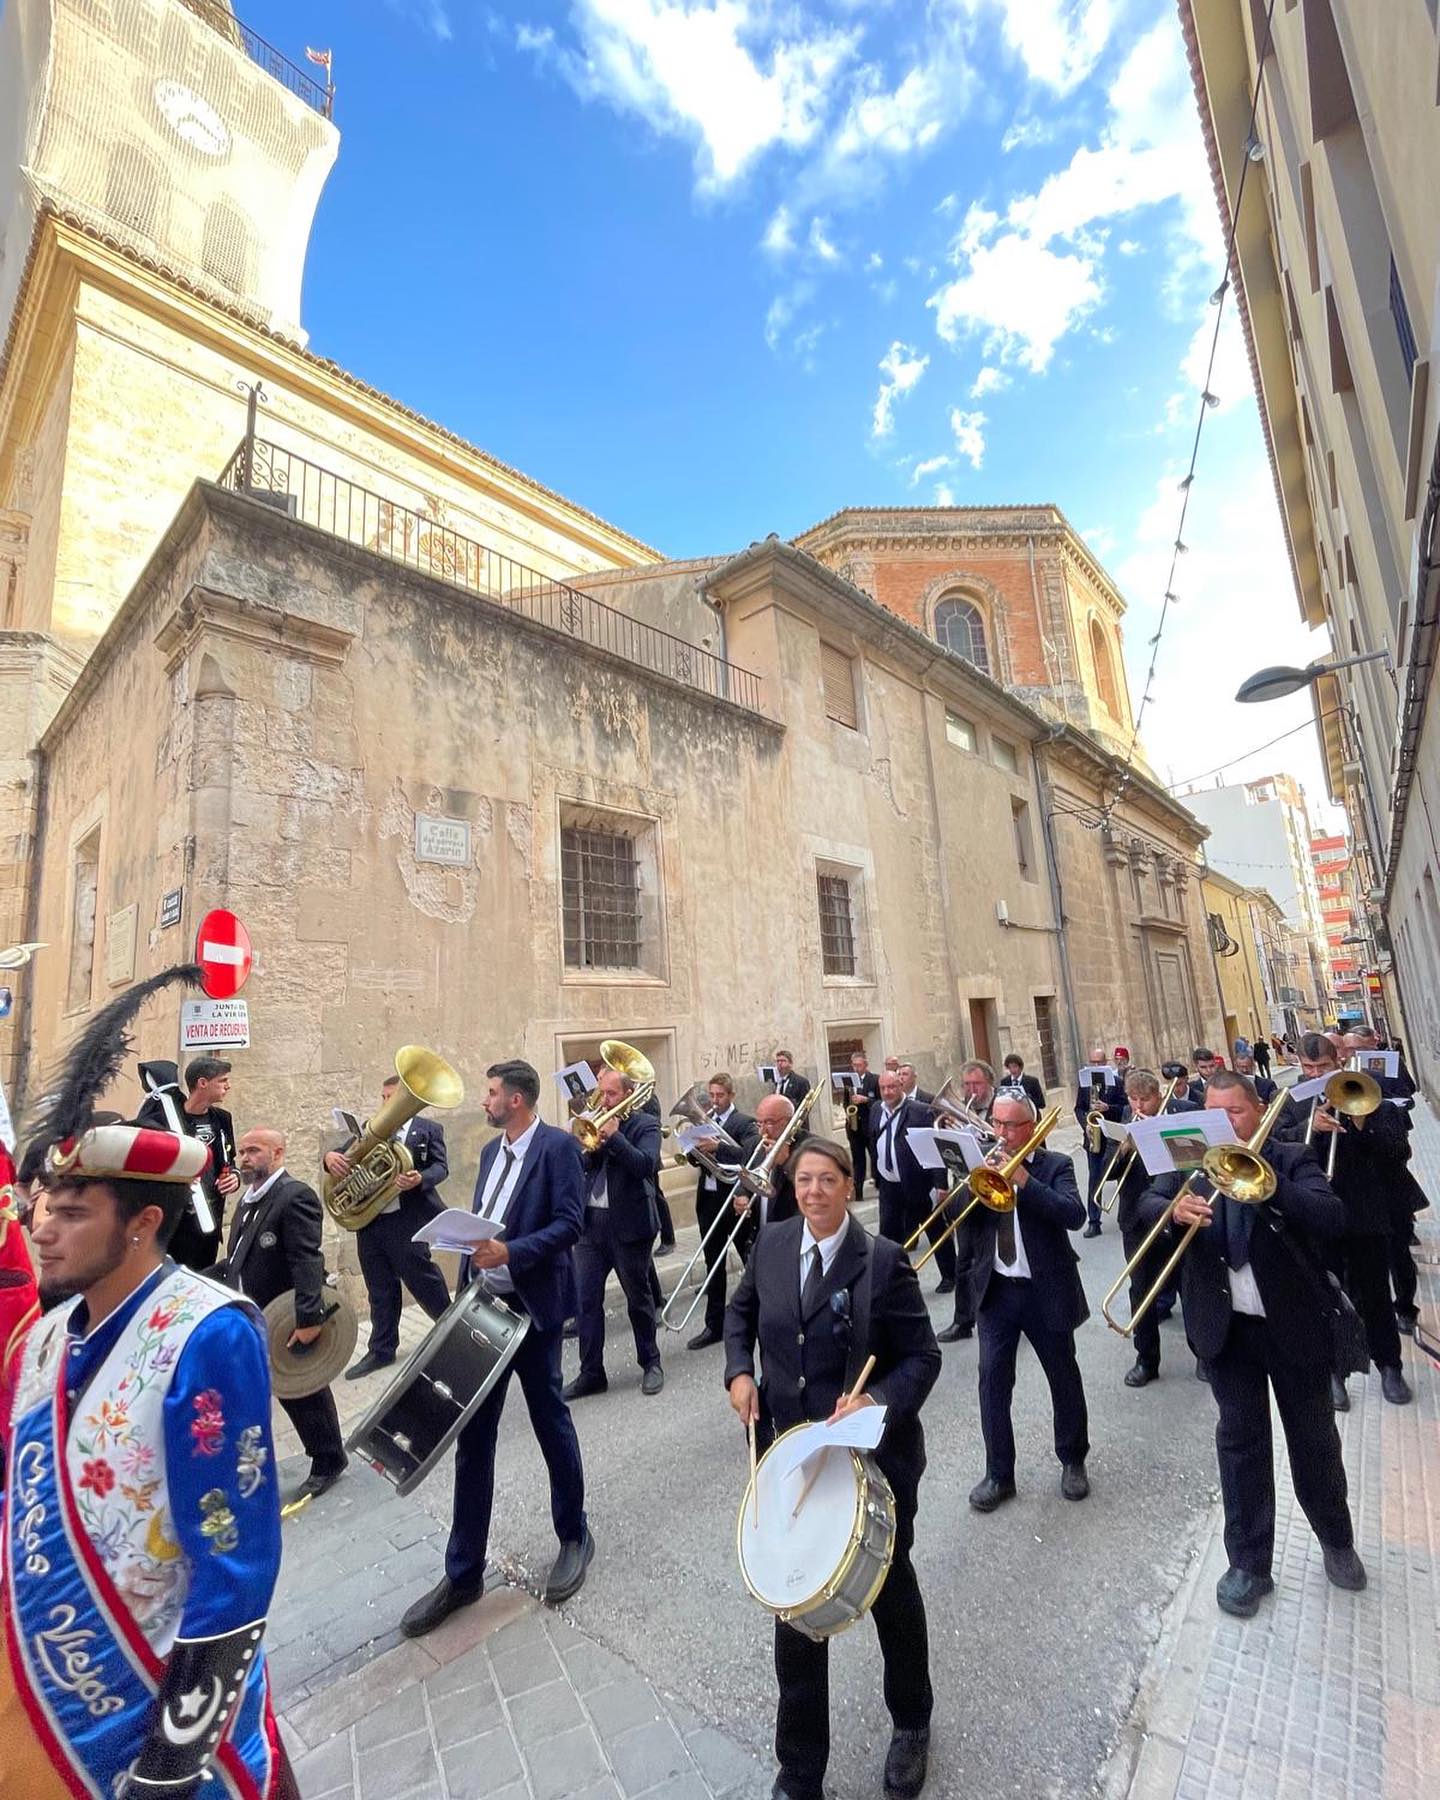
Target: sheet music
x=456 y=1229
x=859 y=1430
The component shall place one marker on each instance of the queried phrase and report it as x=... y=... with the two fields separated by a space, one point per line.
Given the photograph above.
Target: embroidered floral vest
x=115 y=1450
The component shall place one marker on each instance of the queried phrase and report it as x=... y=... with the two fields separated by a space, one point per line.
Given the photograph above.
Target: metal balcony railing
x=318 y=96
x=404 y=535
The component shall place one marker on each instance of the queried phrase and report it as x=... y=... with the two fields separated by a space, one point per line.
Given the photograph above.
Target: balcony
x=317 y=96
x=331 y=504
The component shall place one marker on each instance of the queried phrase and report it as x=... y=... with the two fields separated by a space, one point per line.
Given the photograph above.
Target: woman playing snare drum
x=820 y=1296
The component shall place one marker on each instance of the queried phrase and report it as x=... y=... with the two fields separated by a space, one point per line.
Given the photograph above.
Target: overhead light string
x=1254 y=152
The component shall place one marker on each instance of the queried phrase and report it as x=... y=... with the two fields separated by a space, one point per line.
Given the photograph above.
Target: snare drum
x=443 y=1381
x=821 y=1570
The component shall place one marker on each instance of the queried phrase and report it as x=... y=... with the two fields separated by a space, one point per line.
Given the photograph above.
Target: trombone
x=758 y=1178
x=1353 y=1095
x=1236 y=1170
x=1117 y=1171
x=989 y=1185
x=626 y=1061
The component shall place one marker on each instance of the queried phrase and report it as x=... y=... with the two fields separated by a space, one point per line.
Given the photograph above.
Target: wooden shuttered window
x=837 y=672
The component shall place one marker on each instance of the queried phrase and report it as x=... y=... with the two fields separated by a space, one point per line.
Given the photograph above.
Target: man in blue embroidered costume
x=142 y=1529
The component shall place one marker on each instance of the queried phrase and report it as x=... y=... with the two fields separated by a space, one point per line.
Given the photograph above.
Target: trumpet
x=1351 y=1094
x=626 y=1061
x=990 y=1185
x=1236 y=1170
x=757 y=1177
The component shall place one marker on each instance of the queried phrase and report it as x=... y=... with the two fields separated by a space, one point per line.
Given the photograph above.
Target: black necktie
x=814 y=1281
x=1237 y=1230
x=499 y=1194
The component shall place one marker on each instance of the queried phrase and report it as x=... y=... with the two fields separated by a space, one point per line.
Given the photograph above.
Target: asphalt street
x=1041 y=1614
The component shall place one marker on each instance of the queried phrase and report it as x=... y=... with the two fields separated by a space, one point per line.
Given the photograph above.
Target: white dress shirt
x=495 y=1203
x=253 y=1197
x=1244 y=1294
x=829 y=1248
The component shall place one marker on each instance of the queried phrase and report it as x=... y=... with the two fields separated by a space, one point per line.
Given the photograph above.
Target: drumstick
x=814 y=1475
x=754 y=1478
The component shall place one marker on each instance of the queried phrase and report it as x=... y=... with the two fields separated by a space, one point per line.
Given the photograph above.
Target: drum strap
x=860 y=1316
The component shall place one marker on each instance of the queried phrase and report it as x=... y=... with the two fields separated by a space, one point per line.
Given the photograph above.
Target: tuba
x=626 y=1060
x=376 y=1164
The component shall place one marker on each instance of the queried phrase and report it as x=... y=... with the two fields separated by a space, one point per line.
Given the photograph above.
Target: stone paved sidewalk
x=1325 y=1695
x=506 y=1699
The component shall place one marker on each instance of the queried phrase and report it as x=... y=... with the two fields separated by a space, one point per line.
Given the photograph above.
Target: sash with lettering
x=141 y=1546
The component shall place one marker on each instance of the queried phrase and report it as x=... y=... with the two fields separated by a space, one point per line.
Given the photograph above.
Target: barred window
x=600 y=891
x=837 y=925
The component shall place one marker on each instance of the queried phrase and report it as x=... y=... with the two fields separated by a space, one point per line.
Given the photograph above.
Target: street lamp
x=1280 y=681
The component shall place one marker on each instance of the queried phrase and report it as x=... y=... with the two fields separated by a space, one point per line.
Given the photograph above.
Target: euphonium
x=376 y=1164
x=635 y=1067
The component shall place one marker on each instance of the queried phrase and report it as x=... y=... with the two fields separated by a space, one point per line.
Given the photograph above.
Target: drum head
x=786 y=1559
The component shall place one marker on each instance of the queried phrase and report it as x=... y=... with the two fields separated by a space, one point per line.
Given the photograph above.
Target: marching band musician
x=772 y=1115
x=621 y=1223
x=1175 y=1087
x=1407 y=1197
x=863 y=1095
x=711 y=1198
x=1015 y=1076
x=789 y=1084
x=1253 y=1314
x=1027 y=1283
x=274 y=1247
x=1146 y=1101
x=977 y=1081
x=819 y=1296
x=1107 y=1098
x=389 y=1255
x=532 y=1183
x=1370 y=1158
x=1206 y=1064
x=143 y=1510
x=201 y=1116
x=910 y=1085
x=904 y=1185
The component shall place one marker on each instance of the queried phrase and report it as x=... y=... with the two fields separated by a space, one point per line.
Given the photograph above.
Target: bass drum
x=444 y=1380
x=820 y=1568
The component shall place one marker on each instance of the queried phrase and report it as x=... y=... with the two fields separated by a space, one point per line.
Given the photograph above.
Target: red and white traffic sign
x=222 y=949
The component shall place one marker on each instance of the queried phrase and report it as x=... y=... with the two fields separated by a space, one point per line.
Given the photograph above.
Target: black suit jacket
x=275 y=1246
x=915 y=1179
x=1112 y=1099
x=746 y=1134
x=1032 y=1090
x=1370 y=1164
x=1137 y=1178
x=426 y=1143
x=631 y=1160
x=866 y=1096
x=894 y=1326
x=794 y=1087
x=1303 y=1209
x=1049 y=1208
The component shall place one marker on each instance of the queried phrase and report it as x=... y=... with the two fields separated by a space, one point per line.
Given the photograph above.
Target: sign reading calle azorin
x=440 y=840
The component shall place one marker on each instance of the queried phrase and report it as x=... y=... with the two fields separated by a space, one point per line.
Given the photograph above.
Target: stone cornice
x=204 y=612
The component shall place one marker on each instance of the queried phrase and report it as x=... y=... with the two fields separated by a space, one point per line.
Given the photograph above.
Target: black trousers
x=1095 y=1166
x=1241 y=1378
x=193 y=1248
x=317 y=1424
x=388 y=1258
x=537 y=1364
x=862 y=1156
x=708 y=1205
x=1403 y=1275
x=598 y=1252
x=1012 y=1310
x=899 y=1216
x=802 y=1668
x=667 y=1224
x=1365 y=1271
x=964 y=1242
x=1146 y=1336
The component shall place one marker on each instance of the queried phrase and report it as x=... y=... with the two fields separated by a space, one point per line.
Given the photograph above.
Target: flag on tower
x=324 y=58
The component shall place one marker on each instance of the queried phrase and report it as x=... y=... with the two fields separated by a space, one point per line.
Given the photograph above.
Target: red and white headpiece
x=128 y=1153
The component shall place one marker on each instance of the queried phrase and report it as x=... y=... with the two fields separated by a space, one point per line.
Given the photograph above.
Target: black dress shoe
x=1091 y=1231
x=905 y=1763
x=666 y=1247
x=946 y=1285
x=314 y=1485
x=1406 y=1323
x=1074 y=1482
x=1202 y=1373
x=986 y=1495
x=1344 y=1568
x=953 y=1334
x=434 y=1608
x=583 y=1385
x=652 y=1380
x=702 y=1340
x=367 y=1365
x=1339 y=1398
x=1395 y=1387
x=1141 y=1375
x=1239 y=1593
x=567 y=1577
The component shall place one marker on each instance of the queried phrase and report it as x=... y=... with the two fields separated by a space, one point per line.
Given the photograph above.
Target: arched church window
x=227 y=252
x=134 y=189
x=1105 y=683
x=960 y=627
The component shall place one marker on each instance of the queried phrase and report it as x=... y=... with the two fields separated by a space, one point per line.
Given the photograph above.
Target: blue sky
x=718 y=267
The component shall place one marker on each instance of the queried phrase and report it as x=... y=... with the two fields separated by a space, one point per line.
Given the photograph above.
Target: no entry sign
x=222 y=949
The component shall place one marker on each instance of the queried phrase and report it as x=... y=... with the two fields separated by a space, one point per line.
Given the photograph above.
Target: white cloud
x=1230 y=380
x=969 y=430
x=1021 y=295
x=534 y=38
x=1130 y=247
x=1059 y=41
x=901 y=367
x=779 y=238
x=430 y=13
x=820 y=243
x=874 y=261
x=1027 y=134
x=932 y=465
x=990 y=380
x=783 y=311
x=719 y=73
x=944 y=494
